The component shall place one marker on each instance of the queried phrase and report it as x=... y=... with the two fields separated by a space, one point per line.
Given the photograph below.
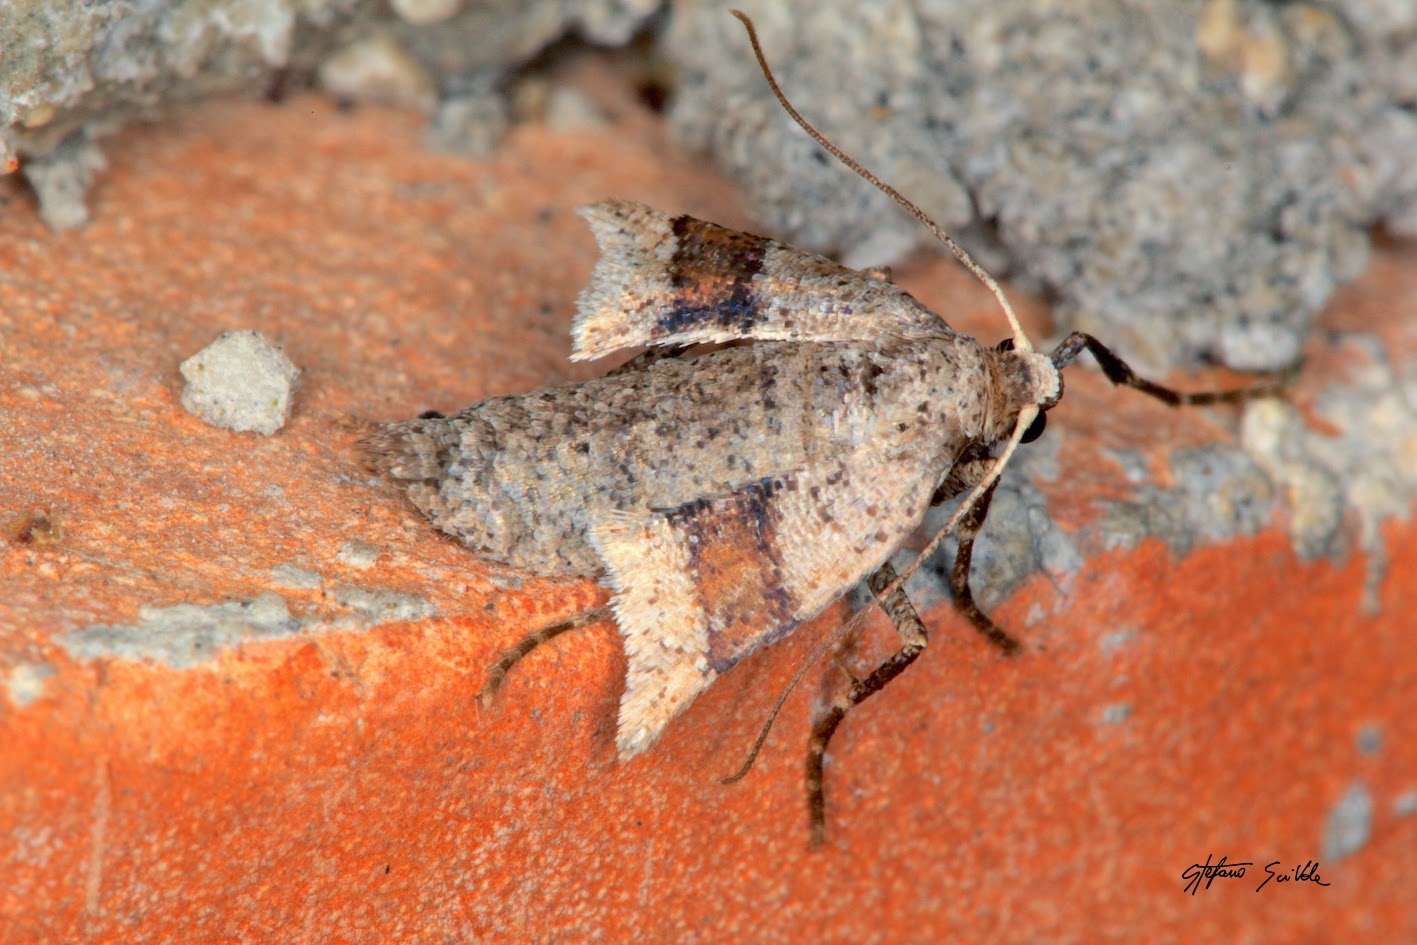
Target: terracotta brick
x=340 y=784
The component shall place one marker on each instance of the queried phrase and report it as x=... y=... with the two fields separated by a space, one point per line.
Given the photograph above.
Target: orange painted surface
x=344 y=786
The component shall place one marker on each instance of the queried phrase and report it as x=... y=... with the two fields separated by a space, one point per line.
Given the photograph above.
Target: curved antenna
x=1021 y=341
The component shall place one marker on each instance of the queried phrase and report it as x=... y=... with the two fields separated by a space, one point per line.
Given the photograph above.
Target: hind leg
x=498 y=672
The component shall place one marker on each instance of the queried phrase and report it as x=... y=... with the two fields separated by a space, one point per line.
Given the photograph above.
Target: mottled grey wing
x=667 y=280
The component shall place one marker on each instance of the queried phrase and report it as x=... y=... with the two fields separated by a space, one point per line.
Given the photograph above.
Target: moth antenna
x=753 y=752
x=1021 y=341
x=1025 y=416
x=1025 y=419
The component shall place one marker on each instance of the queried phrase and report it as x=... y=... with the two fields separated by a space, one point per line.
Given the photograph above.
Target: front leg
x=959 y=578
x=963 y=477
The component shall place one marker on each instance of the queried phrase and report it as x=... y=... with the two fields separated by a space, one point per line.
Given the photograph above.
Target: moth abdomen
x=409 y=450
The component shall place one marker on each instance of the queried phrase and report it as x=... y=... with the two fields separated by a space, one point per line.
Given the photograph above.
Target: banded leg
x=963 y=477
x=913 y=641
x=959 y=578
x=498 y=673
x=1120 y=374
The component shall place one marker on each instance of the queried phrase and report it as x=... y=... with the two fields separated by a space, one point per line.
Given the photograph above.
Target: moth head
x=1026 y=379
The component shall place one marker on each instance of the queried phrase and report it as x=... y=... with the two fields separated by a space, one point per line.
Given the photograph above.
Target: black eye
x=1006 y=345
x=1035 y=429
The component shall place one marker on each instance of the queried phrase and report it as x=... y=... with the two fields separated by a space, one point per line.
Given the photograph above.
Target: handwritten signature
x=1208 y=872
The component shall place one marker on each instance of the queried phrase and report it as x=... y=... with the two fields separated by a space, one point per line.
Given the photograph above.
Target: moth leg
x=1120 y=374
x=968 y=471
x=964 y=476
x=498 y=673
x=959 y=578
x=913 y=641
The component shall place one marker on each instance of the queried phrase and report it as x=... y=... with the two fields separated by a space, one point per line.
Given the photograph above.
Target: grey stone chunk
x=423 y=12
x=569 y=110
x=1191 y=180
x=378 y=69
x=240 y=382
x=471 y=120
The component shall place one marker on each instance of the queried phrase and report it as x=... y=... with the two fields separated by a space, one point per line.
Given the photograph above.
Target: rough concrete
x=374 y=606
x=25 y=682
x=295 y=577
x=1192 y=180
x=358 y=554
x=74 y=70
x=472 y=119
x=187 y=635
x=61 y=180
x=380 y=70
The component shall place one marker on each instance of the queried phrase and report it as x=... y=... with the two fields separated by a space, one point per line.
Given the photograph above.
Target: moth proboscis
x=727 y=496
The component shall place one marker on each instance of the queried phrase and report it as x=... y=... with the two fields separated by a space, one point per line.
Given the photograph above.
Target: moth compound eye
x=1035 y=429
x=1006 y=345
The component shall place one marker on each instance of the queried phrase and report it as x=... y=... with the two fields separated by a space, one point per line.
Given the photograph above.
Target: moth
x=726 y=496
